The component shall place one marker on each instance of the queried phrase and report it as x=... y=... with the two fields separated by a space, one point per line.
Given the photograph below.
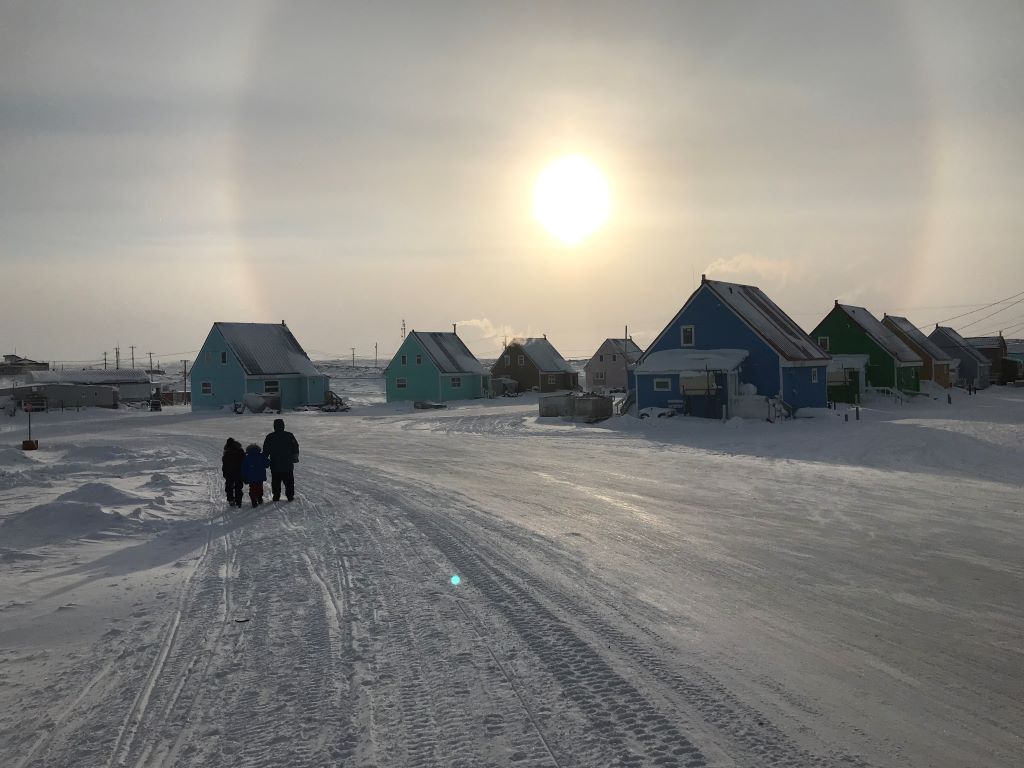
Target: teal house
x=240 y=362
x=436 y=367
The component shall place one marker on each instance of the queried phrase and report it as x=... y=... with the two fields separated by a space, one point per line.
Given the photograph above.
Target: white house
x=606 y=370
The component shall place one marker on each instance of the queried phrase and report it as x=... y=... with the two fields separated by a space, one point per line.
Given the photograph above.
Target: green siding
x=845 y=337
x=425 y=382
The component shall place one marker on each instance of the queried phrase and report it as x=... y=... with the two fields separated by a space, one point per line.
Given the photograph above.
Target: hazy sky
x=344 y=166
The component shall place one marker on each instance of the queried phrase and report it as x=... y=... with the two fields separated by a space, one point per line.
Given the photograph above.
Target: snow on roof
x=911 y=331
x=768 y=320
x=953 y=343
x=544 y=356
x=448 y=352
x=847 y=362
x=266 y=349
x=884 y=337
x=88 y=376
x=692 y=361
x=985 y=342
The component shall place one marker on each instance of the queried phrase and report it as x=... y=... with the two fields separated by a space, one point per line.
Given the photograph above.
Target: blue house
x=730 y=340
x=261 y=360
x=435 y=366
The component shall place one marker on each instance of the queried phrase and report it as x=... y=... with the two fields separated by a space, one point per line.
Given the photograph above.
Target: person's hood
x=254 y=450
x=279 y=425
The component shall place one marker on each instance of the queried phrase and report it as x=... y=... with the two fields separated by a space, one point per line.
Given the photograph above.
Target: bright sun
x=571 y=199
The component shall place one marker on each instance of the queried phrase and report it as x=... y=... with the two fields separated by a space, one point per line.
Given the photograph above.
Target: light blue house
x=437 y=367
x=730 y=340
x=261 y=360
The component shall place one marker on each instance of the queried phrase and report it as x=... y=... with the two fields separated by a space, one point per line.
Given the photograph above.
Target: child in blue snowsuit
x=254 y=470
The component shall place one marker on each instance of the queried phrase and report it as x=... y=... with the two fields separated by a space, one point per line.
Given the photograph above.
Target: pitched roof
x=881 y=335
x=985 y=342
x=448 y=352
x=911 y=331
x=768 y=320
x=951 y=342
x=89 y=376
x=626 y=346
x=544 y=356
x=266 y=349
x=691 y=361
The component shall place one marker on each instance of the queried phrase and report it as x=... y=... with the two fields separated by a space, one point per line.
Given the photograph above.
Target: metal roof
x=266 y=349
x=691 y=361
x=911 y=331
x=985 y=342
x=544 y=356
x=89 y=376
x=951 y=342
x=768 y=320
x=884 y=337
x=448 y=352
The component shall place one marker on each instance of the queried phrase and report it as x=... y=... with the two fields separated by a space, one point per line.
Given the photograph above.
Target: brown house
x=535 y=363
x=936 y=362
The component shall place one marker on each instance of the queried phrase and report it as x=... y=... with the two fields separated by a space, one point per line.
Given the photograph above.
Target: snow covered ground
x=663 y=593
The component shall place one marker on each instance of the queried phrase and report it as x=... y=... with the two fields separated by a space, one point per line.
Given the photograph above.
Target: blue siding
x=228 y=379
x=716 y=326
x=693 y=405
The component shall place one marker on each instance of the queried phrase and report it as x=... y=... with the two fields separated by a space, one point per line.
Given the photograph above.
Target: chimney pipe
x=703 y=279
x=453 y=329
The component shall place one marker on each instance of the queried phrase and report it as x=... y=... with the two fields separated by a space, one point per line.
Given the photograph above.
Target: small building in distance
x=132 y=384
x=435 y=366
x=1004 y=369
x=607 y=370
x=936 y=360
x=973 y=368
x=535 y=364
x=852 y=330
x=15 y=365
x=262 y=360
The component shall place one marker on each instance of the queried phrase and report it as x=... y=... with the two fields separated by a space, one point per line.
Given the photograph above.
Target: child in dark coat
x=231 y=468
x=255 y=472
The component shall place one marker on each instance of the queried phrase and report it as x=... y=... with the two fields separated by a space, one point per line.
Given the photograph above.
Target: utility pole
x=375 y=354
x=132 y=347
x=184 y=376
x=117 y=358
x=150 y=360
x=403 y=328
x=104 y=361
x=353 y=356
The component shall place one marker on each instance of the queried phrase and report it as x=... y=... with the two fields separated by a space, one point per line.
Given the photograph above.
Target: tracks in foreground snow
x=357 y=652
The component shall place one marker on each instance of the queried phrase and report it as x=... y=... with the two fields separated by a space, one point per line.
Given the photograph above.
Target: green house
x=435 y=367
x=850 y=330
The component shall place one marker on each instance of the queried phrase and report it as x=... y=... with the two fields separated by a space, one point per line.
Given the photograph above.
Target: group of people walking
x=280 y=452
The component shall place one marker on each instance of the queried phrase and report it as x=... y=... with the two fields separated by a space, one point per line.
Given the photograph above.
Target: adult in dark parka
x=283 y=451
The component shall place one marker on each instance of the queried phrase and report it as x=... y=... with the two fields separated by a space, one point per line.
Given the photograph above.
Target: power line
x=979 y=309
x=986 y=317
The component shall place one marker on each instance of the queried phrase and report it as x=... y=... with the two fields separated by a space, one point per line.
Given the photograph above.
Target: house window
x=615 y=358
x=662 y=385
x=223 y=358
x=600 y=358
x=271 y=387
x=823 y=342
x=206 y=387
x=688 y=335
x=401 y=383
x=419 y=359
x=599 y=377
x=456 y=382
x=521 y=360
x=814 y=375
x=552 y=379
x=405 y=359
x=508 y=360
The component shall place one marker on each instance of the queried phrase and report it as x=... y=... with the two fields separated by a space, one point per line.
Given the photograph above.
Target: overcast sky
x=345 y=166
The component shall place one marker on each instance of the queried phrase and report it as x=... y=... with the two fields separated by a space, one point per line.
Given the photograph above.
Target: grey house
x=973 y=369
x=606 y=370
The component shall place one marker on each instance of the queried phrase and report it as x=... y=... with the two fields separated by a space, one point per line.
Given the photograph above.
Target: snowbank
x=102 y=493
x=59 y=521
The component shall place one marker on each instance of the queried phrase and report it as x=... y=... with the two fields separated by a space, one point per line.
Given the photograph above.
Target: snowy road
x=678 y=595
